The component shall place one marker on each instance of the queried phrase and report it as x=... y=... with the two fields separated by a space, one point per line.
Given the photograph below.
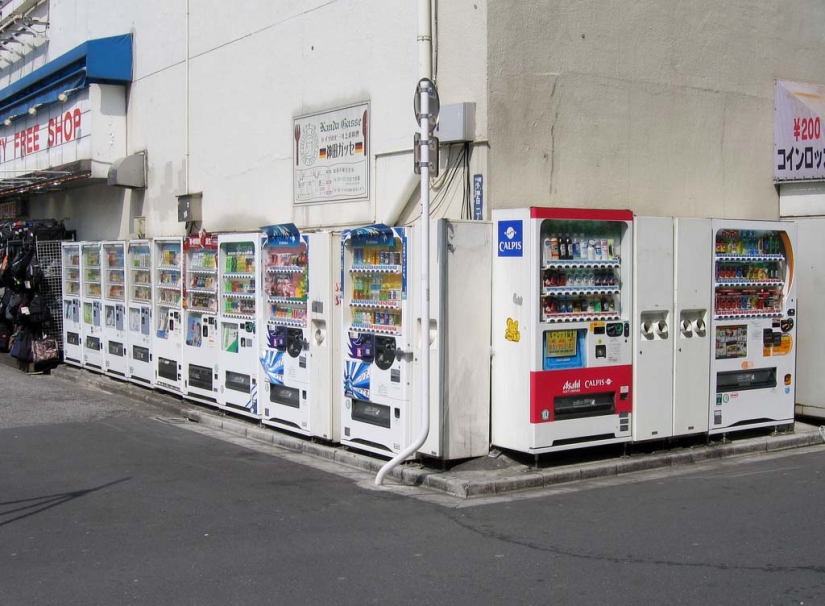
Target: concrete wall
x=252 y=67
x=661 y=106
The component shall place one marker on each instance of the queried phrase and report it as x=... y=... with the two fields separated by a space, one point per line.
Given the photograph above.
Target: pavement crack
x=558 y=551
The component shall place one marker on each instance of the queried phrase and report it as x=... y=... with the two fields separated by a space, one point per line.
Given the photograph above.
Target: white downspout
x=425 y=68
x=186 y=100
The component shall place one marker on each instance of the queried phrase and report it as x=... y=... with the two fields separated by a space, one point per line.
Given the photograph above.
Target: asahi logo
x=570 y=386
x=574 y=386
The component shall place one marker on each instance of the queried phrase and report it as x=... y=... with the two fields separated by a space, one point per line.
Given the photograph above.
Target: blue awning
x=101 y=61
x=285 y=234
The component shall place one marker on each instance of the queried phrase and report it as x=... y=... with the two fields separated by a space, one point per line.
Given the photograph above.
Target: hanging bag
x=22 y=348
x=44 y=349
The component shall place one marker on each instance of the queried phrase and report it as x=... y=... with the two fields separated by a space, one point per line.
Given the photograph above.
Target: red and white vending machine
x=753 y=365
x=562 y=374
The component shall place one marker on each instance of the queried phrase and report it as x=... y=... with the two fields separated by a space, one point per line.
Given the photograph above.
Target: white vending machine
x=810 y=359
x=298 y=345
x=461 y=259
x=239 y=262
x=168 y=315
x=671 y=353
x=383 y=337
x=72 y=289
x=115 y=347
x=139 y=338
x=753 y=366
x=200 y=319
x=562 y=374
x=377 y=339
x=92 y=306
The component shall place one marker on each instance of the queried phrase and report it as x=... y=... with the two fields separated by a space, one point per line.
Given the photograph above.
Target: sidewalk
x=493 y=475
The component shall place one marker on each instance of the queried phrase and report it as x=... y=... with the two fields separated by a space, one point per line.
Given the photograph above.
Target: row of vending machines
x=610 y=327
x=315 y=333
x=550 y=328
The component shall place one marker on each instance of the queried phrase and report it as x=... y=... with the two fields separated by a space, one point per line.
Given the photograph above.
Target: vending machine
x=114 y=309
x=377 y=339
x=239 y=263
x=92 y=306
x=460 y=302
x=562 y=373
x=753 y=367
x=810 y=359
x=168 y=316
x=139 y=338
x=72 y=289
x=298 y=350
x=671 y=301
x=200 y=319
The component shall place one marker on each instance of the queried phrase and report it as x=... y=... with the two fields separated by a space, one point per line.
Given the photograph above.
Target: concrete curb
x=452 y=483
x=456 y=484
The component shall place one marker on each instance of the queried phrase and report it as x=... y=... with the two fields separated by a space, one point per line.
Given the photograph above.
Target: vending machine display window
x=580 y=270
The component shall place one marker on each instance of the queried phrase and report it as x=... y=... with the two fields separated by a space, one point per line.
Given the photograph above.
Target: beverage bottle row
x=240 y=286
x=747 y=242
x=374 y=255
x=747 y=272
x=202 y=301
x=292 y=286
x=748 y=299
x=202 y=281
x=578 y=248
x=204 y=259
x=579 y=278
x=239 y=306
x=287 y=259
x=170 y=257
x=288 y=312
x=380 y=318
x=140 y=260
x=170 y=297
x=377 y=287
x=577 y=305
x=240 y=262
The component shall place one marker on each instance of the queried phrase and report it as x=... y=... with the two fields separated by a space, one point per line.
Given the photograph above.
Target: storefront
x=63 y=126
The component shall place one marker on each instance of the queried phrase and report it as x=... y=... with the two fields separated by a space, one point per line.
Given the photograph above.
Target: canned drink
x=605 y=250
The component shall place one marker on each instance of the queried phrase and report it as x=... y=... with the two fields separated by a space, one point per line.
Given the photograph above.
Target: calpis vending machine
x=377 y=340
x=753 y=367
x=168 y=316
x=298 y=359
x=200 y=318
x=90 y=269
x=72 y=288
x=562 y=302
x=239 y=263
x=115 y=347
x=139 y=270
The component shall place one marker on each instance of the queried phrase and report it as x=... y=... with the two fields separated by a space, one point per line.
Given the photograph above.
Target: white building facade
x=660 y=108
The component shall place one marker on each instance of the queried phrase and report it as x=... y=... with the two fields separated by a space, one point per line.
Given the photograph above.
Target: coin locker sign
x=331 y=155
x=799 y=141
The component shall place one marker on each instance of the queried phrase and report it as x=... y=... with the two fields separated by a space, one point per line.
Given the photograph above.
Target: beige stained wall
x=664 y=107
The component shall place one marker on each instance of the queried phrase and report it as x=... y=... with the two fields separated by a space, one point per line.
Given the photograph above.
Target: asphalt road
x=101 y=503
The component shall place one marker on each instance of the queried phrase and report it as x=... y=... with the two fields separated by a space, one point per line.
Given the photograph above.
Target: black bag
x=21 y=262
x=38 y=310
x=34 y=273
x=12 y=306
x=22 y=348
